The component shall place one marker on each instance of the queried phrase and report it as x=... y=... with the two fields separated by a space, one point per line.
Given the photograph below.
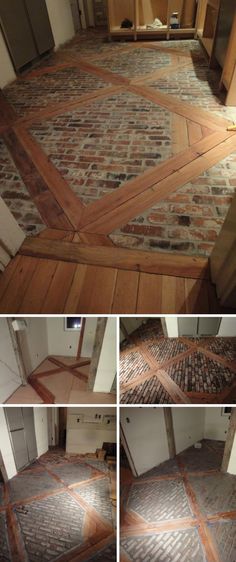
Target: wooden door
x=17 y=32
x=39 y=20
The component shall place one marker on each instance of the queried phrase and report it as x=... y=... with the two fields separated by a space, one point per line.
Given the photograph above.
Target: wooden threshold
x=135 y=260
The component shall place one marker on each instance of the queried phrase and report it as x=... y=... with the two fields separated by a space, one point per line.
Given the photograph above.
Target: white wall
x=34 y=343
x=188 y=427
x=227 y=327
x=215 y=425
x=232 y=460
x=61 y=19
x=9 y=373
x=62 y=342
x=145 y=435
x=41 y=429
x=82 y=438
x=6 y=448
x=172 y=326
x=7 y=73
x=106 y=370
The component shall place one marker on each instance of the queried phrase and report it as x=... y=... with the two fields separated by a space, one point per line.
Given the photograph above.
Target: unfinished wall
x=86 y=435
x=106 y=370
x=215 y=425
x=89 y=335
x=5 y=447
x=41 y=429
x=61 y=19
x=62 y=342
x=9 y=373
x=145 y=434
x=188 y=426
x=227 y=327
x=34 y=343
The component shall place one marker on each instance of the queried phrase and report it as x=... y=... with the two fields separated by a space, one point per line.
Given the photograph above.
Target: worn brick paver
x=215 y=493
x=98 y=465
x=72 y=473
x=159 y=500
x=97 y=495
x=51 y=527
x=4 y=544
x=204 y=457
x=225 y=347
x=224 y=536
x=56 y=86
x=132 y=365
x=165 y=547
x=198 y=373
x=99 y=147
x=150 y=391
x=190 y=219
x=16 y=196
x=166 y=348
x=137 y=62
x=27 y=485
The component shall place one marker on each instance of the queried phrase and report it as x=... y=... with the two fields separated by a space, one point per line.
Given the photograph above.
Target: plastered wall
x=86 y=438
x=215 y=425
x=62 y=342
x=107 y=362
x=188 y=426
x=9 y=373
x=34 y=343
x=41 y=429
x=227 y=327
x=5 y=447
x=145 y=437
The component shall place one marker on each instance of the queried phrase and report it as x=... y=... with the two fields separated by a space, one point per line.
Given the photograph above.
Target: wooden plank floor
x=74 y=266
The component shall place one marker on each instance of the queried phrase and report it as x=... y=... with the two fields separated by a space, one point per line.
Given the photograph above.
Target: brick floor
x=197 y=373
x=61 y=85
x=1 y=494
x=99 y=147
x=139 y=62
x=215 y=493
x=189 y=220
x=166 y=348
x=16 y=196
x=159 y=501
x=53 y=523
x=149 y=392
x=179 y=545
x=108 y=554
x=97 y=495
x=224 y=535
x=72 y=473
x=31 y=484
x=4 y=544
x=193 y=373
x=131 y=366
x=51 y=527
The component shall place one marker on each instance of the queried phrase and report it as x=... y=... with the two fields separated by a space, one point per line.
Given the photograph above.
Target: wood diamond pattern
x=224 y=534
x=150 y=391
x=97 y=495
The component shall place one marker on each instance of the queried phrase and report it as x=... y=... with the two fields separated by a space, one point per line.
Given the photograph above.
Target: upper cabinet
x=27 y=30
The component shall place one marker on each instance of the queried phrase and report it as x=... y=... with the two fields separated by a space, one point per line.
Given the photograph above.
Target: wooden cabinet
x=143 y=13
x=27 y=30
x=208 y=12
